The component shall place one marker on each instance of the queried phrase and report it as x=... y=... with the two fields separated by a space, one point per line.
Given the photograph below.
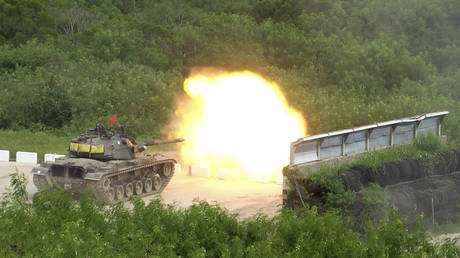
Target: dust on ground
x=242 y=197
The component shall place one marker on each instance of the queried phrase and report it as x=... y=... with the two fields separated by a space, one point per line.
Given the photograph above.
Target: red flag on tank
x=113 y=120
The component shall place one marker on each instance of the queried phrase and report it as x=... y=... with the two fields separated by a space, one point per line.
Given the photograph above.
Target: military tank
x=109 y=165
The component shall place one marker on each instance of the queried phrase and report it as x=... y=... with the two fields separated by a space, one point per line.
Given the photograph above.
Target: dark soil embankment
x=435 y=194
x=412 y=186
x=394 y=173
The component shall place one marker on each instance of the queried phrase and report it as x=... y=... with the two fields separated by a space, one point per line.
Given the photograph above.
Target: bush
x=55 y=225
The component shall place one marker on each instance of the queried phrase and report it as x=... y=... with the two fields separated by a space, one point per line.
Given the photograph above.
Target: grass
x=39 y=142
x=423 y=148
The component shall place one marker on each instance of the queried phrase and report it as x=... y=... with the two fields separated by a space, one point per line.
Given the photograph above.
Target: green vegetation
x=65 y=65
x=375 y=201
x=40 y=142
x=427 y=149
x=54 y=225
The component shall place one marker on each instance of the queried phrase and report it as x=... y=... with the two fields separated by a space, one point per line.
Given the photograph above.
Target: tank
x=108 y=165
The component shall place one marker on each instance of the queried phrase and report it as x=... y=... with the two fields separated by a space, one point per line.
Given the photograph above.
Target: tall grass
x=424 y=147
x=40 y=142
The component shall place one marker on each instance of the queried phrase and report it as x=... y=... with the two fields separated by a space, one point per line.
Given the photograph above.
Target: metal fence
x=365 y=138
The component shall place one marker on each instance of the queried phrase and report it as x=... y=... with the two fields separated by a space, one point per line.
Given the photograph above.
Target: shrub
x=55 y=225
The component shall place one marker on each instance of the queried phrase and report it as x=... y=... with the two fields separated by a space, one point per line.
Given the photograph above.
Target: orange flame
x=237 y=120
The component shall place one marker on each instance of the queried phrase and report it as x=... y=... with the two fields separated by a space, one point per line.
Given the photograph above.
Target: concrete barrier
x=4 y=155
x=26 y=157
x=279 y=179
x=230 y=174
x=199 y=171
x=52 y=157
x=177 y=168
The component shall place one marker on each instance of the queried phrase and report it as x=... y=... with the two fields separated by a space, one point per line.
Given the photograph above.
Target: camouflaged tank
x=108 y=165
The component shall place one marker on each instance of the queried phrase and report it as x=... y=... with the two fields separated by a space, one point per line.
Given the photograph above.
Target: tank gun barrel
x=158 y=142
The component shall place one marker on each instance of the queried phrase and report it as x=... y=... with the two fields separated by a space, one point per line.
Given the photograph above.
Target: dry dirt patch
x=244 y=198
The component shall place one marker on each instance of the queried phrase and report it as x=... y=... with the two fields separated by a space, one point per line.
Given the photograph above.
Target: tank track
x=107 y=192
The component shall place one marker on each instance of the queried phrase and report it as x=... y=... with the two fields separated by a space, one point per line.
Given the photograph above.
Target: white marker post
x=178 y=169
x=52 y=157
x=199 y=171
x=26 y=157
x=4 y=155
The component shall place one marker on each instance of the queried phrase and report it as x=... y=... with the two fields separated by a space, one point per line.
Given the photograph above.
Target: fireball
x=237 y=120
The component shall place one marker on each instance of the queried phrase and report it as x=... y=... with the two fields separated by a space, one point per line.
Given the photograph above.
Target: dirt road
x=244 y=198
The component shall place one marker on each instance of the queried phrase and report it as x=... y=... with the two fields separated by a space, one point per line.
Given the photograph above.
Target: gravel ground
x=244 y=198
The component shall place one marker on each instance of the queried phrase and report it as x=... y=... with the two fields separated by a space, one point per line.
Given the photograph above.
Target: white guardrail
x=364 y=138
x=314 y=151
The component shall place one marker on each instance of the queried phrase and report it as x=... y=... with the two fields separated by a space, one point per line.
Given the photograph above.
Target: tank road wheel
x=40 y=182
x=147 y=185
x=120 y=192
x=138 y=187
x=110 y=194
x=156 y=182
x=167 y=170
x=106 y=183
x=129 y=189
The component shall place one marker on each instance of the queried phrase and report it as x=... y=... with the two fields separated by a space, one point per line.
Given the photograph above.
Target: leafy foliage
x=17 y=192
x=55 y=225
x=68 y=64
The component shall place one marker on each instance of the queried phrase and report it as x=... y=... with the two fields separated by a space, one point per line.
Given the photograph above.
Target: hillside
x=66 y=64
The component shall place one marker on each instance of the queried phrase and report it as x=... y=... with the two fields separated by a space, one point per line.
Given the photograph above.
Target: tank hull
x=108 y=181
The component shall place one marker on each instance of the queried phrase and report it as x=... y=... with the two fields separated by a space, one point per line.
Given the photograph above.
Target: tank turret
x=105 y=145
x=109 y=165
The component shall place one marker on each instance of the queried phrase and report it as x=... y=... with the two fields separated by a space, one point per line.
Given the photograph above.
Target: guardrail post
x=318 y=148
x=439 y=125
x=417 y=124
x=392 y=135
x=368 y=136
